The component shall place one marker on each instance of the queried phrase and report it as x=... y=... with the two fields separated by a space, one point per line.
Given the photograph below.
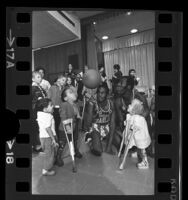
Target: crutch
x=70 y=140
x=122 y=141
x=122 y=164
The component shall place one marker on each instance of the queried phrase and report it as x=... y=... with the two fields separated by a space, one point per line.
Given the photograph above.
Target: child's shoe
x=48 y=172
x=143 y=165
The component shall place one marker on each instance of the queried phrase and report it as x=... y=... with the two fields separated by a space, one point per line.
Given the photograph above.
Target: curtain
x=132 y=52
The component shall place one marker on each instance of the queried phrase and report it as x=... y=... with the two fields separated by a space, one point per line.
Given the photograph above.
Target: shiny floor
x=95 y=176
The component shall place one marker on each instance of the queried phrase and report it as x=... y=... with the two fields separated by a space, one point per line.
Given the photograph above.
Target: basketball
x=92 y=79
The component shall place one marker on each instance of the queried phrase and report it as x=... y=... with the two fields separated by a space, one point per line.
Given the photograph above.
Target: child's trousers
x=49 y=151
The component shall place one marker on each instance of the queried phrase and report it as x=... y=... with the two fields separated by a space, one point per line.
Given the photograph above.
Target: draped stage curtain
x=132 y=52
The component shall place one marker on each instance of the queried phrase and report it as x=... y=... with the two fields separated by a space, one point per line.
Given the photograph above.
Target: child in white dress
x=141 y=139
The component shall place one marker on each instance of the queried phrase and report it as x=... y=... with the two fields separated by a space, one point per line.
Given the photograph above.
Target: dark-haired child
x=47 y=134
x=68 y=110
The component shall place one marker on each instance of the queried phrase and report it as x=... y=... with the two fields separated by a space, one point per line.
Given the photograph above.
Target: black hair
x=103 y=85
x=42 y=103
x=64 y=94
x=132 y=70
x=99 y=68
x=116 y=66
x=40 y=68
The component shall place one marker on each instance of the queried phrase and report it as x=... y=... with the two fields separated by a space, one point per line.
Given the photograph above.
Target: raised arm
x=90 y=114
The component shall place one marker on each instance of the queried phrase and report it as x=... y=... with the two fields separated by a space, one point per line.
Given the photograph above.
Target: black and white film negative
x=147 y=42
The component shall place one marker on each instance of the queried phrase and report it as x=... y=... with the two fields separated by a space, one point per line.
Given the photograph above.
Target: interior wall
x=55 y=59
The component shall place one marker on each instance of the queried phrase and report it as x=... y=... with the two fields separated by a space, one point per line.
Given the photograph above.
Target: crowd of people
x=100 y=114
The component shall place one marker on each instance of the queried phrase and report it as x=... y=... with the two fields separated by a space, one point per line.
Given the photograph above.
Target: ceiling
x=85 y=14
x=46 y=30
x=122 y=24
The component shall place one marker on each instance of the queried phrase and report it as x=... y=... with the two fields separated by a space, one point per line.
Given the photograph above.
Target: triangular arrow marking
x=10 y=143
x=10 y=40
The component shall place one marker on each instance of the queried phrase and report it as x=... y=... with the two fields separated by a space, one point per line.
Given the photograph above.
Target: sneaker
x=78 y=154
x=143 y=165
x=48 y=173
x=87 y=137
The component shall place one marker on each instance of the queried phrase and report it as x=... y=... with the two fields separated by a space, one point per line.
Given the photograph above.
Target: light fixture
x=105 y=37
x=134 y=30
x=94 y=23
x=129 y=13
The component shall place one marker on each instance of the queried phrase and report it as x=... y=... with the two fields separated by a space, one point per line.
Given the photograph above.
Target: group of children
x=50 y=107
x=54 y=104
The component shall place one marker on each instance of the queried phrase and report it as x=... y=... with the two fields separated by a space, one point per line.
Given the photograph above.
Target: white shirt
x=45 y=120
x=45 y=85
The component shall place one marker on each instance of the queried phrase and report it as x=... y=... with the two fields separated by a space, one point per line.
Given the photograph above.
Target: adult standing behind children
x=103 y=75
x=37 y=93
x=44 y=83
x=70 y=73
x=116 y=77
x=132 y=79
x=54 y=94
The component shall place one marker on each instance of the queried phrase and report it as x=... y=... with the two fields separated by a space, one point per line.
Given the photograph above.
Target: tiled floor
x=95 y=176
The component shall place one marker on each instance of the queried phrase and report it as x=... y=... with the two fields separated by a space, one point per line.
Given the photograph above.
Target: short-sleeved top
x=45 y=120
x=45 y=85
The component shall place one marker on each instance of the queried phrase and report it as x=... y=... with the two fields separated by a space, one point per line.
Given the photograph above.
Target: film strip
x=168 y=53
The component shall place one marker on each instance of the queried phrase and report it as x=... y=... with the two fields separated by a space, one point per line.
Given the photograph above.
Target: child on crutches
x=68 y=110
x=136 y=134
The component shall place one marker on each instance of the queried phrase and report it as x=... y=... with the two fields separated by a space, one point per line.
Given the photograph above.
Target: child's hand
x=54 y=143
x=68 y=129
